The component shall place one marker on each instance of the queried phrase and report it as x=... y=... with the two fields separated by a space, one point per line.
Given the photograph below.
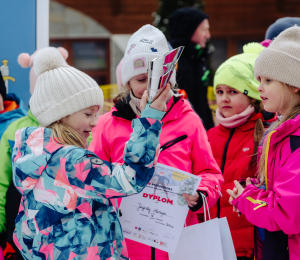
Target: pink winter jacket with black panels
x=192 y=154
x=278 y=207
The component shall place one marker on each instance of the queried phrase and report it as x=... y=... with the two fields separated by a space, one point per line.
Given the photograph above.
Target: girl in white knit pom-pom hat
x=66 y=210
x=276 y=206
x=183 y=141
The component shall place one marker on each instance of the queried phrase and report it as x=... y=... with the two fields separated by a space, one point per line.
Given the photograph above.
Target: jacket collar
x=32 y=117
x=16 y=113
x=267 y=119
x=286 y=129
x=123 y=110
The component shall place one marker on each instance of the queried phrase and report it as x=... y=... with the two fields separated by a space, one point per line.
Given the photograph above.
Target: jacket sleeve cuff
x=149 y=112
x=236 y=201
x=200 y=201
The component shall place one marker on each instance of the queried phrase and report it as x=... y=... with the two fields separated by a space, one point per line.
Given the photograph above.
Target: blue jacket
x=65 y=211
x=8 y=117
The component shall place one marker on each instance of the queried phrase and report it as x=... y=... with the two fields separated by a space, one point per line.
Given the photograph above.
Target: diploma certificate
x=156 y=216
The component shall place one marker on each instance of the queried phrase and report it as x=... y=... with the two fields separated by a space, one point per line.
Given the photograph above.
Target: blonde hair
x=123 y=94
x=292 y=112
x=66 y=135
x=258 y=132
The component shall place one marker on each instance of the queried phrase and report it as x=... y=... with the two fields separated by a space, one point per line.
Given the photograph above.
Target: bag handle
x=205 y=206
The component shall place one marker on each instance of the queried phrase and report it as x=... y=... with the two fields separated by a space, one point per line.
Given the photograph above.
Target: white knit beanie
x=281 y=60
x=143 y=46
x=60 y=90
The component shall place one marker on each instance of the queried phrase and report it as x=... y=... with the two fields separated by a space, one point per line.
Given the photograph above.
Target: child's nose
x=225 y=98
x=94 y=122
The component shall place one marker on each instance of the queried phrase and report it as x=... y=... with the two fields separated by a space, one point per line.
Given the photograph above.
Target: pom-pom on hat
x=238 y=71
x=281 y=60
x=143 y=46
x=60 y=90
x=25 y=60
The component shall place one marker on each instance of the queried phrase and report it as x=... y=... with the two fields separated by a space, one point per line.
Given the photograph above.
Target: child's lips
x=263 y=99
x=226 y=107
x=87 y=132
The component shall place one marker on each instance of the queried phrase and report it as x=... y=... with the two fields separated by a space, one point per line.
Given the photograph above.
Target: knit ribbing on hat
x=143 y=46
x=238 y=71
x=281 y=60
x=62 y=91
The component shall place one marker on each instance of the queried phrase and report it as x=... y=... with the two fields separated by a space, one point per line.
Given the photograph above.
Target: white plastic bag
x=208 y=240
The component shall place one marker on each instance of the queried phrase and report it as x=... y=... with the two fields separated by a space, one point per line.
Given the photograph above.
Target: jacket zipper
x=168 y=111
x=172 y=142
x=225 y=149
x=223 y=166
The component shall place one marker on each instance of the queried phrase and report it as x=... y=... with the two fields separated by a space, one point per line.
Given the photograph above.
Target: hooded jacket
x=233 y=150
x=193 y=73
x=65 y=211
x=184 y=146
x=8 y=117
x=277 y=207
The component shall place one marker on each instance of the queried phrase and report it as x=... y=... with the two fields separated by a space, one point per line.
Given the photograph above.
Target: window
x=88 y=55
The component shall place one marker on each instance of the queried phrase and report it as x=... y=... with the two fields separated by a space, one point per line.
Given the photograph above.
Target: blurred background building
x=96 y=32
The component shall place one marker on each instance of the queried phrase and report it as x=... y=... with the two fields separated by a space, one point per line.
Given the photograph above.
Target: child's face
x=83 y=121
x=138 y=84
x=231 y=101
x=275 y=97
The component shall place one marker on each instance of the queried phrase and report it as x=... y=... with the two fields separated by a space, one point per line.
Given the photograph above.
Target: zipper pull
x=220 y=193
x=172 y=142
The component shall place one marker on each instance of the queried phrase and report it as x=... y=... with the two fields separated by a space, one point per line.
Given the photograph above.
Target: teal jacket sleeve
x=80 y=172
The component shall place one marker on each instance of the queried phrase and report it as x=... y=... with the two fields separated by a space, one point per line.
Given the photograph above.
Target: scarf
x=235 y=120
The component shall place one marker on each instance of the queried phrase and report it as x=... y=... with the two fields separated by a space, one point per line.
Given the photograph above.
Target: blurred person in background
x=11 y=107
x=280 y=25
x=189 y=27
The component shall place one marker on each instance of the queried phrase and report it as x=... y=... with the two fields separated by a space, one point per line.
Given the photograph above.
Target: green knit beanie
x=238 y=71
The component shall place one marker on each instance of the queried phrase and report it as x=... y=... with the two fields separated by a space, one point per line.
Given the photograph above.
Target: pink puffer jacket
x=278 y=207
x=191 y=153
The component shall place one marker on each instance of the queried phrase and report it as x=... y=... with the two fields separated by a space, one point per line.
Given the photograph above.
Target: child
x=65 y=211
x=235 y=140
x=276 y=208
x=184 y=143
x=10 y=197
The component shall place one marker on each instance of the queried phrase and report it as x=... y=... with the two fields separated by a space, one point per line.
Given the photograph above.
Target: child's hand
x=160 y=103
x=236 y=193
x=190 y=199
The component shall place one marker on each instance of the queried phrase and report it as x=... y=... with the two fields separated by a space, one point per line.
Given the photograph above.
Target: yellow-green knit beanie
x=238 y=71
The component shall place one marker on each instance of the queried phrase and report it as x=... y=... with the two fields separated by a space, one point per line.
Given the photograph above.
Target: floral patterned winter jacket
x=65 y=211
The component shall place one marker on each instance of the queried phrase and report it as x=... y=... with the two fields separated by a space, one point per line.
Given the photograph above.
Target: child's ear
x=296 y=90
